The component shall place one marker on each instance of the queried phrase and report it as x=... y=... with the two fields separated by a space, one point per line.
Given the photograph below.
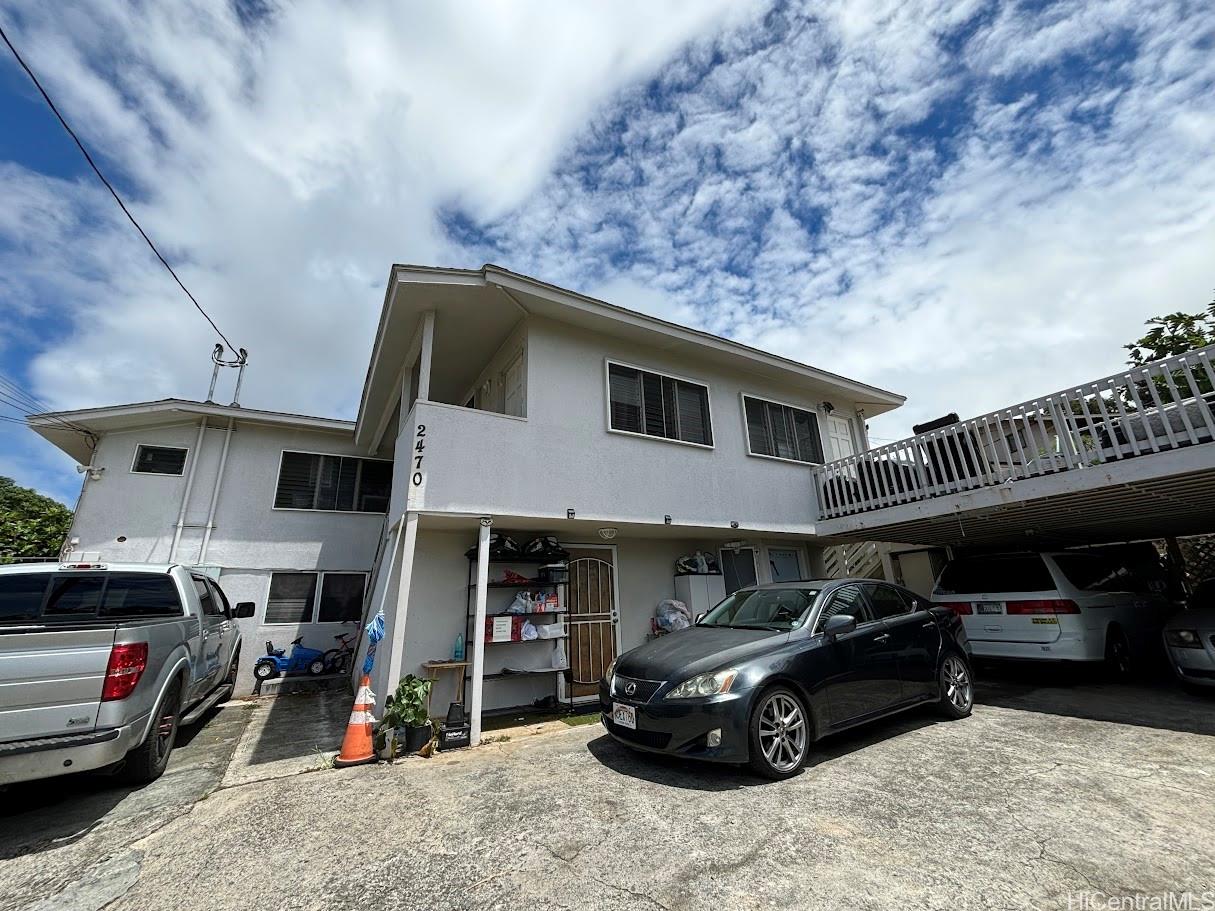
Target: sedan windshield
x=766 y=608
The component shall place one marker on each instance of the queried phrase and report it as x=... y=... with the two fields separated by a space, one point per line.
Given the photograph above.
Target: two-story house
x=506 y=405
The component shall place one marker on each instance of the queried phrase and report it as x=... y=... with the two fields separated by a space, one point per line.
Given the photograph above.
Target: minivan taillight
x=122 y=673
x=961 y=608
x=1045 y=606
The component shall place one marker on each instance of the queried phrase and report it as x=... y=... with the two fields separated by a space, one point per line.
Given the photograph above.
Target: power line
x=109 y=186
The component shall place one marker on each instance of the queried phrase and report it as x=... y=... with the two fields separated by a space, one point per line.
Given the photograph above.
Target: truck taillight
x=1045 y=606
x=122 y=673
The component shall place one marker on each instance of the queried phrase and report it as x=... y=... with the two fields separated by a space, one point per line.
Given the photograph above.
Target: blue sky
x=970 y=203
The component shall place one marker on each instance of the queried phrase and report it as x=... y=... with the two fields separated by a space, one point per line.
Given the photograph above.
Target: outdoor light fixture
x=666 y=520
x=827 y=407
x=607 y=533
x=734 y=525
x=486 y=522
x=569 y=514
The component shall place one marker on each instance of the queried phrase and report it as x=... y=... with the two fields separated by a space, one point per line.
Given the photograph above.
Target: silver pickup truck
x=100 y=664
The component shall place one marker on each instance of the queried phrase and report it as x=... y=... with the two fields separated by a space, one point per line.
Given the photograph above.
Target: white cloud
x=285 y=165
x=969 y=203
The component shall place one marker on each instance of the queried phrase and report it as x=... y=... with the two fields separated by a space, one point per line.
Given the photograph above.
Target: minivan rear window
x=976 y=575
x=67 y=597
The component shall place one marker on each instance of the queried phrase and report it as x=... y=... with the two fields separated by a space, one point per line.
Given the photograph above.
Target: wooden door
x=591 y=602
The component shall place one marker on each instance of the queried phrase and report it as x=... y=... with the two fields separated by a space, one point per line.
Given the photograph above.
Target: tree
x=31 y=525
x=1175 y=333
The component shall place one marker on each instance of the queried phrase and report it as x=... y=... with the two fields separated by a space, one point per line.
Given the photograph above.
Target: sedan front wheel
x=780 y=734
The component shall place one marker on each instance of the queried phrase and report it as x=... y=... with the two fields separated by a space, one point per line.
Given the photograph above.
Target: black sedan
x=773 y=668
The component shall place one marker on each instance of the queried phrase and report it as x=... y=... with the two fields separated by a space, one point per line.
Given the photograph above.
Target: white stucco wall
x=438 y=606
x=250 y=538
x=562 y=456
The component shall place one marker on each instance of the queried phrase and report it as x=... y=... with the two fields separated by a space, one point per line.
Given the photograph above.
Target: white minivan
x=1057 y=606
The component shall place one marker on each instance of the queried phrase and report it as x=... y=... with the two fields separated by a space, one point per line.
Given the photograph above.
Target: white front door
x=513 y=390
x=839 y=434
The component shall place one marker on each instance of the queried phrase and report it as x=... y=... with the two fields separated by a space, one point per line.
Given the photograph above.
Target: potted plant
x=406 y=723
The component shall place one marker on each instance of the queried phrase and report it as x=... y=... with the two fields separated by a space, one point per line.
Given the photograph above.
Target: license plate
x=624 y=715
x=991 y=607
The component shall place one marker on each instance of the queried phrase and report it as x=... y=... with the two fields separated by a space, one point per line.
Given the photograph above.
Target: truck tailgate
x=50 y=680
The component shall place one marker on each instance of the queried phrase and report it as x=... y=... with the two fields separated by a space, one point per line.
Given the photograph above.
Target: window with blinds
x=310 y=480
x=658 y=406
x=782 y=431
x=294 y=597
x=159 y=460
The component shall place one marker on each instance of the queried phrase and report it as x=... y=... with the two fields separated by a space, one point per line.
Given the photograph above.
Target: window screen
x=308 y=480
x=140 y=595
x=782 y=431
x=341 y=597
x=658 y=406
x=21 y=597
x=978 y=575
x=292 y=596
x=159 y=460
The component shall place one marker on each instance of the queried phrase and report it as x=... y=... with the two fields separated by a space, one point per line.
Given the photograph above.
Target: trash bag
x=696 y=564
x=501 y=547
x=672 y=615
x=529 y=631
x=521 y=605
x=545 y=547
x=560 y=662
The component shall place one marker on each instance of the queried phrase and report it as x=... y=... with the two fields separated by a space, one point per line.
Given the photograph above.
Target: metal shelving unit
x=559 y=613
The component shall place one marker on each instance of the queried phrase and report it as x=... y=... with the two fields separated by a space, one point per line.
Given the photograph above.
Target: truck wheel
x=148 y=761
x=230 y=680
x=265 y=670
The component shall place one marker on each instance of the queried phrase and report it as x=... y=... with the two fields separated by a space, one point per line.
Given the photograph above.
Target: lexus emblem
x=630 y=689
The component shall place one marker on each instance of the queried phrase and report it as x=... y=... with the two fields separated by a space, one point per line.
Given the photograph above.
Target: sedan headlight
x=1182 y=638
x=705 y=685
x=610 y=672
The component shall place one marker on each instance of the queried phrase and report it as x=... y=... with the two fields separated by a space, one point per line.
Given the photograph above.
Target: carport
x=1126 y=458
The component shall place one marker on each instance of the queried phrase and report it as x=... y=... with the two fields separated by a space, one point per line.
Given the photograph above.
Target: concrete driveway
x=1034 y=799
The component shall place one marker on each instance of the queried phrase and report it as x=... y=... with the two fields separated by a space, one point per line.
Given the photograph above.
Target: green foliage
x=31 y=525
x=407 y=706
x=1169 y=335
x=1174 y=333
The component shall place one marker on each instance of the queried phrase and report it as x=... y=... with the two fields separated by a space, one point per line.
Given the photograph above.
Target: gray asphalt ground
x=1045 y=793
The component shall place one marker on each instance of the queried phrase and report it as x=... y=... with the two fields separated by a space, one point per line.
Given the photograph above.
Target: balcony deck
x=1132 y=454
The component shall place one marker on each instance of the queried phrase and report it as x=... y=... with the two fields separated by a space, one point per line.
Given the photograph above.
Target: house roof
x=414 y=289
x=69 y=430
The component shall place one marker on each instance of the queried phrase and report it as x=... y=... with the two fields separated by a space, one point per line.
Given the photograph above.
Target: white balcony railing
x=1160 y=406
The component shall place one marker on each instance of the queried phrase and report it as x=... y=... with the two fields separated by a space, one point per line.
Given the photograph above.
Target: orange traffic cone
x=356 y=745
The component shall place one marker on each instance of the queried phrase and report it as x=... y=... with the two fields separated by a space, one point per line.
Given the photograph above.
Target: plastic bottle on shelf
x=457 y=653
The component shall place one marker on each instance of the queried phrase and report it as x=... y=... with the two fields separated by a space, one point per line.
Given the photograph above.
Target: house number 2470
x=418 y=454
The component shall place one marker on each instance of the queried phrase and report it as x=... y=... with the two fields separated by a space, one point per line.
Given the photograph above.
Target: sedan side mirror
x=244 y=609
x=839 y=625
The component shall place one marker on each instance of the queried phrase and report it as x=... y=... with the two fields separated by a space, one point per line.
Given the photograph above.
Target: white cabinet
x=701 y=592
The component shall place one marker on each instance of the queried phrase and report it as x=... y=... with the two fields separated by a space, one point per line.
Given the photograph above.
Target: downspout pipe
x=185 y=497
x=219 y=482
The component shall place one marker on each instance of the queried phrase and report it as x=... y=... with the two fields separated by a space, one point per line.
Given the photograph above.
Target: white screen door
x=784 y=563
